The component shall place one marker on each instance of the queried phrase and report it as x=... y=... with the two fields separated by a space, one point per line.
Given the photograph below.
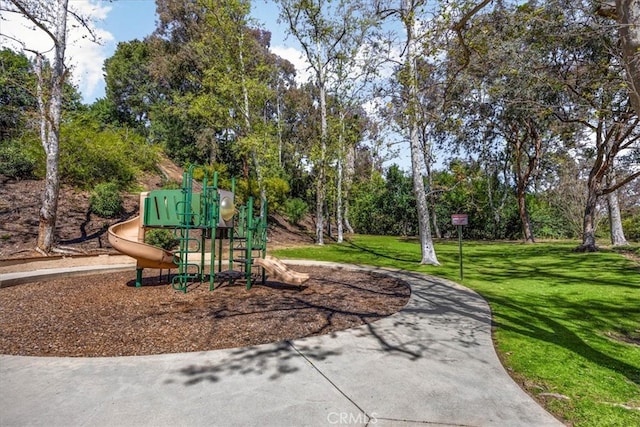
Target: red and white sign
x=460 y=219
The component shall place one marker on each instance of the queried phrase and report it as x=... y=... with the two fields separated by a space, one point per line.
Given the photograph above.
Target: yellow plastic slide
x=279 y=270
x=126 y=237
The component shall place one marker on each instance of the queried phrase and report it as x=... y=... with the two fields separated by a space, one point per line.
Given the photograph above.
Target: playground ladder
x=249 y=237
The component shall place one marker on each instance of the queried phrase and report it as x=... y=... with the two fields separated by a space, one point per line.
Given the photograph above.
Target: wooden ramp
x=278 y=270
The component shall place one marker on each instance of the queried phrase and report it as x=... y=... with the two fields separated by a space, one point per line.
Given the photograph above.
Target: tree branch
x=621 y=183
x=33 y=19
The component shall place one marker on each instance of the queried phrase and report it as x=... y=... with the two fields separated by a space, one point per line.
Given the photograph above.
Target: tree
x=320 y=29
x=17 y=87
x=51 y=19
x=129 y=87
x=407 y=12
x=628 y=16
x=499 y=101
x=597 y=98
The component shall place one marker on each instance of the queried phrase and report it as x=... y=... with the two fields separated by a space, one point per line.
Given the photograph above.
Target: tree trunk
x=525 y=164
x=247 y=118
x=50 y=112
x=615 y=220
x=589 y=222
x=523 y=213
x=417 y=158
x=339 y=207
x=628 y=13
x=348 y=180
x=49 y=208
x=432 y=198
x=426 y=241
x=323 y=149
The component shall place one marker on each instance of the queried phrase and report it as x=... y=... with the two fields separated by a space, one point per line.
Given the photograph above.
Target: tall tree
x=128 y=84
x=408 y=12
x=628 y=16
x=597 y=98
x=320 y=27
x=51 y=19
x=500 y=99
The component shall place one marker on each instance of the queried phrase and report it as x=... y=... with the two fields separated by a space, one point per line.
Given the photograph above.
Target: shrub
x=15 y=162
x=295 y=210
x=90 y=154
x=631 y=226
x=105 y=200
x=277 y=190
x=162 y=238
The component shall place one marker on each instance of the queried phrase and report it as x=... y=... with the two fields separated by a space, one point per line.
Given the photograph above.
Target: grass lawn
x=567 y=325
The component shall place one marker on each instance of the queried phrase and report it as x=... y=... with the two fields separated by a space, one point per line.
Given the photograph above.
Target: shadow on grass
x=555 y=265
x=524 y=318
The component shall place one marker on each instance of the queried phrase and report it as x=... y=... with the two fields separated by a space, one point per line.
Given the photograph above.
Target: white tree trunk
x=323 y=149
x=339 y=205
x=247 y=117
x=615 y=219
x=50 y=105
x=417 y=158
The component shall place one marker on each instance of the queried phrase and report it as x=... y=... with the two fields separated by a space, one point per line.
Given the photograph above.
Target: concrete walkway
x=433 y=363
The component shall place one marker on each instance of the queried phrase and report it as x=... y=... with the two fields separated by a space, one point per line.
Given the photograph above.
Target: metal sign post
x=459 y=220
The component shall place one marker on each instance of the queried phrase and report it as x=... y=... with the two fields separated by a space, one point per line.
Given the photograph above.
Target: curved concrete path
x=433 y=363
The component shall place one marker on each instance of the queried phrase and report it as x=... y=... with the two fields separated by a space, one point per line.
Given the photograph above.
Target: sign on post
x=459 y=220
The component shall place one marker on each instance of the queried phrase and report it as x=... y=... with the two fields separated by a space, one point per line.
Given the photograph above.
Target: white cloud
x=83 y=56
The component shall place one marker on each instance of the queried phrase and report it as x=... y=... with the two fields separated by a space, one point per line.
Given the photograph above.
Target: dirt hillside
x=79 y=231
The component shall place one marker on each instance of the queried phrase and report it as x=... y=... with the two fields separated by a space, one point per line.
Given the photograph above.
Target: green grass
x=559 y=316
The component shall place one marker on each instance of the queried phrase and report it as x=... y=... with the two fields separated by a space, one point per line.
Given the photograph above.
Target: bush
x=277 y=190
x=631 y=226
x=90 y=154
x=295 y=210
x=15 y=162
x=105 y=200
x=162 y=238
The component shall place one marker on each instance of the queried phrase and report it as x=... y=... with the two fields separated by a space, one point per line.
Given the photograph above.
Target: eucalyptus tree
x=323 y=29
x=590 y=65
x=349 y=79
x=407 y=14
x=177 y=66
x=240 y=78
x=50 y=18
x=217 y=78
x=502 y=108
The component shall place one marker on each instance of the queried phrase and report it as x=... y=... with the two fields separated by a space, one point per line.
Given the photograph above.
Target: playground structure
x=213 y=213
